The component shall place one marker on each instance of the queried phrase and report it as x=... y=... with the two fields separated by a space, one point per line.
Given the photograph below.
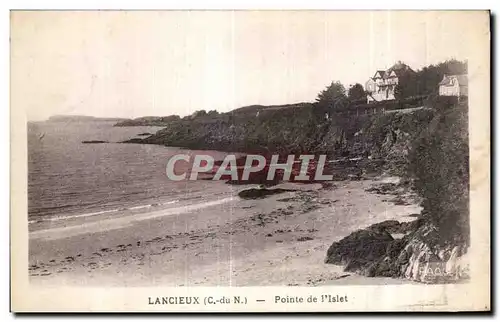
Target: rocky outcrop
x=434 y=247
x=296 y=129
x=359 y=250
x=372 y=251
x=418 y=256
x=149 y=121
x=426 y=259
x=260 y=193
x=428 y=147
x=396 y=227
x=391 y=136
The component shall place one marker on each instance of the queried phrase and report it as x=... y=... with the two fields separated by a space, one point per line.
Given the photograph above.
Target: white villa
x=454 y=85
x=381 y=86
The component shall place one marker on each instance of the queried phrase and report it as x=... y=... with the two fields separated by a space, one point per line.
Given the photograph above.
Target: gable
x=444 y=81
x=370 y=85
x=453 y=80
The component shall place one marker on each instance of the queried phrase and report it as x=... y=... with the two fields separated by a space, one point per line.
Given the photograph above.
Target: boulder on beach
x=373 y=251
x=395 y=227
x=260 y=193
x=359 y=250
x=94 y=142
x=417 y=256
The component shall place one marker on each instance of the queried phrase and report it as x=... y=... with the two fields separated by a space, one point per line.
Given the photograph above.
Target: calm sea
x=67 y=178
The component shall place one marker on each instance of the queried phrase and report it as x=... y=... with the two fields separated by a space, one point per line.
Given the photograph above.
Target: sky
x=157 y=63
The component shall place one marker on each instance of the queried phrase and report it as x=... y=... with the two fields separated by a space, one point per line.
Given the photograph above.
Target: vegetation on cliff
x=437 y=162
x=326 y=126
x=390 y=137
x=299 y=129
x=422 y=138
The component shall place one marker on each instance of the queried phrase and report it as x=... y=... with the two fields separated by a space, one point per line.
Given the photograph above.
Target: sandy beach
x=279 y=240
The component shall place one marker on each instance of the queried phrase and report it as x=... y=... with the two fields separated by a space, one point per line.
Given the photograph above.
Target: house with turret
x=382 y=86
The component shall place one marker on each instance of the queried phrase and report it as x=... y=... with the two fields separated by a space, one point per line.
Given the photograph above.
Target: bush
x=439 y=161
x=443 y=103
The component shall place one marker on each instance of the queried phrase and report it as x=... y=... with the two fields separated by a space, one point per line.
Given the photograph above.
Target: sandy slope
x=279 y=240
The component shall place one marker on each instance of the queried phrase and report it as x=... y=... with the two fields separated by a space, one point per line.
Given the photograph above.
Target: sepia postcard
x=250 y=161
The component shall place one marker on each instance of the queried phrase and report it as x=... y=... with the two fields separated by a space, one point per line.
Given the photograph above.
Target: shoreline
x=107 y=221
x=278 y=240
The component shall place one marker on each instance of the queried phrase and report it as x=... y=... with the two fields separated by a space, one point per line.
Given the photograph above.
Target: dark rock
x=386 y=266
x=399 y=201
x=395 y=227
x=391 y=226
x=359 y=250
x=411 y=226
x=260 y=193
x=373 y=252
x=94 y=142
x=384 y=189
x=135 y=140
x=395 y=248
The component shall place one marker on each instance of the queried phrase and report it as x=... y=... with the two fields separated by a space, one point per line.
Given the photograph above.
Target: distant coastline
x=82 y=118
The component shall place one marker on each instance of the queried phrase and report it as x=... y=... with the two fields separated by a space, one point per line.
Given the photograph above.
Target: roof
x=399 y=68
x=381 y=72
x=462 y=80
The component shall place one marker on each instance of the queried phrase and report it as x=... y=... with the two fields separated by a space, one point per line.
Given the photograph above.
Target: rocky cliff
x=301 y=128
x=434 y=157
x=427 y=146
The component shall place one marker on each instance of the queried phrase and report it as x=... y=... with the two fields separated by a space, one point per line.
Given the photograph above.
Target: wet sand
x=279 y=240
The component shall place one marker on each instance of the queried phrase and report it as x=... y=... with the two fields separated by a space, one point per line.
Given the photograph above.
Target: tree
x=427 y=79
x=439 y=162
x=398 y=92
x=198 y=114
x=356 y=92
x=331 y=94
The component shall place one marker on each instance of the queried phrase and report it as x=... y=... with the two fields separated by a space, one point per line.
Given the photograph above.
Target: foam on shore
x=100 y=225
x=90 y=214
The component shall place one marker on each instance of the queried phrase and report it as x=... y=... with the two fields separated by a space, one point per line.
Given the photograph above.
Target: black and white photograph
x=261 y=150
